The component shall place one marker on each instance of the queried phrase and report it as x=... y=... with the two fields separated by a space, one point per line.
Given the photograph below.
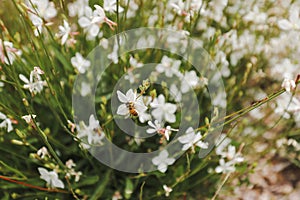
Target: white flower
x=114 y=56
x=288 y=84
x=293 y=22
x=51 y=178
x=42 y=152
x=77 y=8
x=190 y=80
x=134 y=63
x=162 y=161
x=157 y=127
x=71 y=171
x=144 y=116
x=40 y=9
x=191 y=138
x=168 y=66
x=6 y=123
x=91 y=134
x=131 y=9
x=10 y=50
x=28 y=118
x=70 y=164
x=85 y=89
x=87 y=22
x=111 y=6
x=225 y=167
x=162 y=110
x=232 y=155
x=80 y=63
x=35 y=83
x=117 y=196
x=180 y=8
x=222 y=142
x=167 y=190
x=44 y=8
x=131 y=77
x=64 y=32
x=130 y=98
x=92 y=20
x=37 y=23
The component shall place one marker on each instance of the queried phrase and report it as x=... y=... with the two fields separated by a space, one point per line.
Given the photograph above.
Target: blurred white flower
x=64 y=32
x=85 y=89
x=111 y=6
x=10 y=50
x=162 y=110
x=88 y=23
x=77 y=8
x=158 y=128
x=92 y=20
x=39 y=10
x=232 y=155
x=225 y=167
x=134 y=63
x=35 y=84
x=71 y=171
x=42 y=8
x=131 y=77
x=191 y=138
x=294 y=20
x=130 y=98
x=221 y=143
x=288 y=84
x=190 y=80
x=169 y=66
x=80 y=63
x=28 y=118
x=6 y=123
x=51 y=178
x=131 y=9
x=179 y=7
x=162 y=161
x=175 y=93
x=144 y=116
x=91 y=134
x=37 y=23
x=167 y=190
x=117 y=196
x=43 y=152
x=114 y=56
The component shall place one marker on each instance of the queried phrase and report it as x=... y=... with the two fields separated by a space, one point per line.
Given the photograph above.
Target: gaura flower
x=162 y=110
x=162 y=161
x=130 y=99
x=191 y=138
x=80 y=63
x=51 y=178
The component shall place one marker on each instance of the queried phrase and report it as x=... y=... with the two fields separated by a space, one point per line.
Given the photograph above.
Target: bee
x=131 y=108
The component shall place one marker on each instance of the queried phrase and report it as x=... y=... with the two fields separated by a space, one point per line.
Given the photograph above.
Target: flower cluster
x=229 y=156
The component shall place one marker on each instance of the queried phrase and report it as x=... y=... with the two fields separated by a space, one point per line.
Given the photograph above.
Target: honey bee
x=131 y=108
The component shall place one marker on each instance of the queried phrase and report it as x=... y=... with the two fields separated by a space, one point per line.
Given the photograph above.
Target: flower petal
x=162 y=167
x=122 y=110
x=122 y=97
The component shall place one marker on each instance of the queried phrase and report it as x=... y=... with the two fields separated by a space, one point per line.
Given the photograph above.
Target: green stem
x=51 y=150
x=220 y=186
